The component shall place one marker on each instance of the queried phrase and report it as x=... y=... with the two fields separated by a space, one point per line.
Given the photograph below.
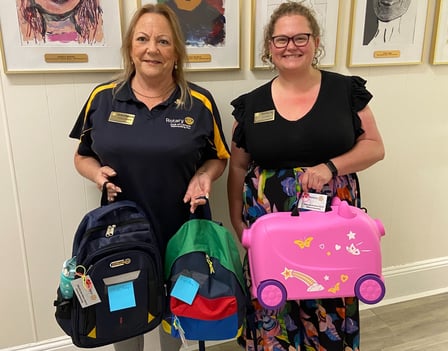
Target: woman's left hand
x=198 y=190
x=315 y=177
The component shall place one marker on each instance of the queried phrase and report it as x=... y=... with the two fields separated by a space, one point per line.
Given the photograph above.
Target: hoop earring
x=271 y=64
x=315 y=62
x=317 y=55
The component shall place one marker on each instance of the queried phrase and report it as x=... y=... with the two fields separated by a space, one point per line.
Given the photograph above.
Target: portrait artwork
x=211 y=30
x=386 y=32
x=61 y=35
x=389 y=22
x=439 y=50
x=60 y=22
x=203 y=21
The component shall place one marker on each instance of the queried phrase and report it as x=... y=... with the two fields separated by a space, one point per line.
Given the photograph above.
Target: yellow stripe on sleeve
x=93 y=95
x=221 y=149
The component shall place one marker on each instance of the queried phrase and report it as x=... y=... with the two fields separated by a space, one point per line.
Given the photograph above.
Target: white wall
x=42 y=198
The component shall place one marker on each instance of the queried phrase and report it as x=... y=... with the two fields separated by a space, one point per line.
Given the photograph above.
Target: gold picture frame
x=327 y=13
x=399 y=41
x=220 y=54
x=26 y=48
x=439 y=45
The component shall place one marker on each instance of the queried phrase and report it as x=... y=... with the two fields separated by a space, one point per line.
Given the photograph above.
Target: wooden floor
x=416 y=325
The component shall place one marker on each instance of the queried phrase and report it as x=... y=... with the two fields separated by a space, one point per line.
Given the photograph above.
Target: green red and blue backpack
x=207 y=294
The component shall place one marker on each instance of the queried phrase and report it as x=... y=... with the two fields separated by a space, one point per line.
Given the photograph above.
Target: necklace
x=154 y=97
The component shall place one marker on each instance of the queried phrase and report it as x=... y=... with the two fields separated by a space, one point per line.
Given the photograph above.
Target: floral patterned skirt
x=305 y=325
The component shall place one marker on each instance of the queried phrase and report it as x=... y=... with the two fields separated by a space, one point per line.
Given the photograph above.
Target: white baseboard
x=403 y=283
x=414 y=280
x=62 y=343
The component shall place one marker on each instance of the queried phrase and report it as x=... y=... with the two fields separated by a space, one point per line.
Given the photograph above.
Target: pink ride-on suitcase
x=315 y=255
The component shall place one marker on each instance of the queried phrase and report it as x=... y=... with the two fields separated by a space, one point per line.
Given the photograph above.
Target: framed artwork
x=327 y=13
x=387 y=34
x=37 y=39
x=439 y=51
x=212 y=32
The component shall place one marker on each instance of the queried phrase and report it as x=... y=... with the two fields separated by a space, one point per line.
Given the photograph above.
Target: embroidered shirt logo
x=184 y=123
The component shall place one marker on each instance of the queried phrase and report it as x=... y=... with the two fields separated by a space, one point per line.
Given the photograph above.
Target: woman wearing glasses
x=305 y=131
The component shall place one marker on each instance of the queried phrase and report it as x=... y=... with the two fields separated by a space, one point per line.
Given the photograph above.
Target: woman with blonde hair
x=151 y=136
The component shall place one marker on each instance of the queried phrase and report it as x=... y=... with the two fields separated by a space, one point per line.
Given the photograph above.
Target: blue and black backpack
x=115 y=248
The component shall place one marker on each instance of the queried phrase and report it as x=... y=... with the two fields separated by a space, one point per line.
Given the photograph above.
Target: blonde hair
x=288 y=9
x=179 y=48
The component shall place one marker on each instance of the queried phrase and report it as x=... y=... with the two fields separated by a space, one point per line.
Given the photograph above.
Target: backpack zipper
x=110 y=230
x=210 y=264
x=109 y=227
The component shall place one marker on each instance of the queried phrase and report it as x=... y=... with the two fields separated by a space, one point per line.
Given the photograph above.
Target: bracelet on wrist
x=332 y=168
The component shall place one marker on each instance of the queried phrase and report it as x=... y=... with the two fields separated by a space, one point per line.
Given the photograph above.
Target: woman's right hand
x=90 y=168
x=103 y=176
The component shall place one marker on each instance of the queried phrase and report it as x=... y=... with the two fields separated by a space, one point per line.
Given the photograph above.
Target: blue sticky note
x=185 y=289
x=121 y=296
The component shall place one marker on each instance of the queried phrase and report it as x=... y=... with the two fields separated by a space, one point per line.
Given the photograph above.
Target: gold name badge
x=265 y=116
x=122 y=118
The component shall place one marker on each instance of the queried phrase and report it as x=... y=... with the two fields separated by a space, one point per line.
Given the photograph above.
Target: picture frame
x=327 y=13
x=397 y=40
x=222 y=50
x=62 y=48
x=439 y=47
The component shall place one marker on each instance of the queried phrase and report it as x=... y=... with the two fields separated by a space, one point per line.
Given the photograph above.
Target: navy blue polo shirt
x=154 y=152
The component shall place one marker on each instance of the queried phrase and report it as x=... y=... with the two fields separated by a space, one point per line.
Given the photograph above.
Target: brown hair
x=179 y=48
x=291 y=8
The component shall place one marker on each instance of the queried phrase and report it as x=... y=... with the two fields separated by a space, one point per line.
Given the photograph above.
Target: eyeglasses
x=299 y=40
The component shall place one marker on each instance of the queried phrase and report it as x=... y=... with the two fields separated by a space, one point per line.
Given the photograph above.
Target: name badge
x=265 y=116
x=122 y=118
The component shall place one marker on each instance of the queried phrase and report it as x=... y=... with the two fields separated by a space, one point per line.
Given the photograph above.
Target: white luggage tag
x=313 y=202
x=84 y=289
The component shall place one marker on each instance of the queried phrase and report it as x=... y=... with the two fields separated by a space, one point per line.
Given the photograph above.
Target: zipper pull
x=178 y=327
x=110 y=230
x=210 y=264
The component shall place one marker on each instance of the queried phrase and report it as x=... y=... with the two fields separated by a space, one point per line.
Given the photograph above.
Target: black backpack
x=116 y=252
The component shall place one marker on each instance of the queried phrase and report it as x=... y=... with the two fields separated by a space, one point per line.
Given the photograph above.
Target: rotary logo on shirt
x=184 y=123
